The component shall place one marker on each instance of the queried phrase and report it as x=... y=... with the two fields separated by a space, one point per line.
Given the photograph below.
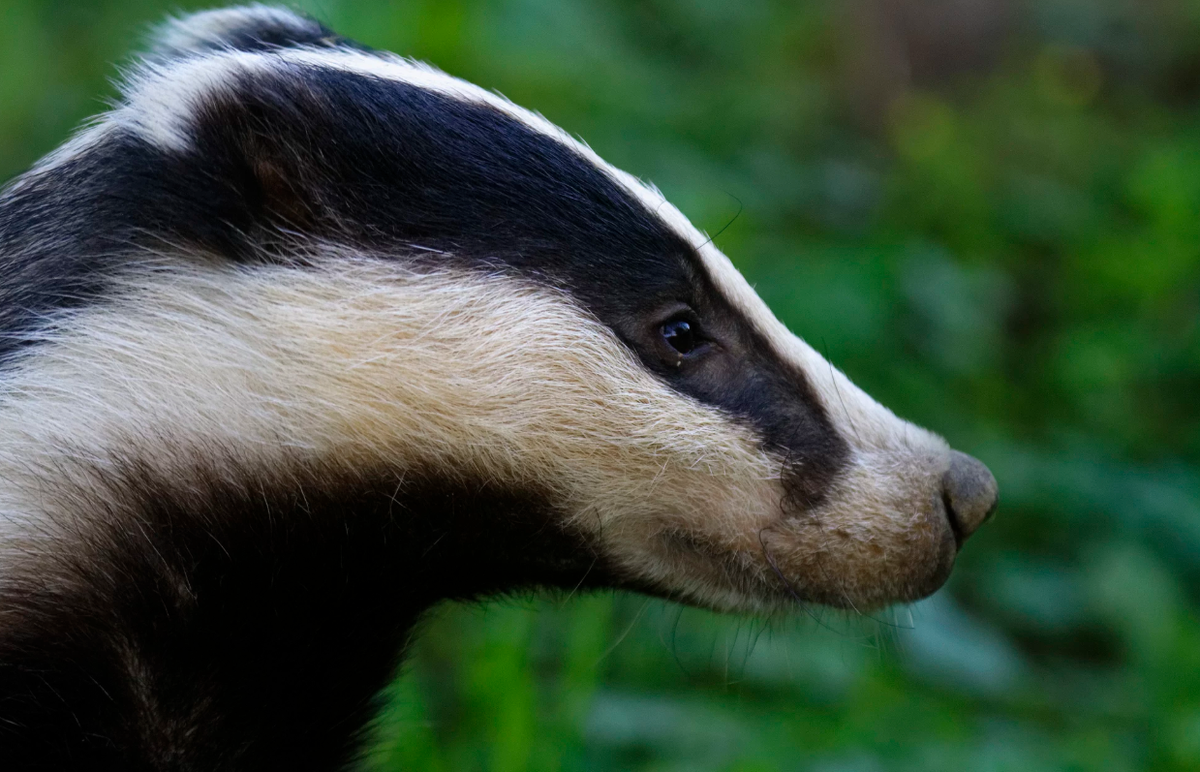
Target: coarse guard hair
x=301 y=338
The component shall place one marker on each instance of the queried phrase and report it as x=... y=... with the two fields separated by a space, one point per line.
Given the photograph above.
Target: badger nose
x=970 y=493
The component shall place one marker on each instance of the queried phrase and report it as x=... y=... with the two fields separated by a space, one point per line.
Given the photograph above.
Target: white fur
x=210 y=28
x=362 y=363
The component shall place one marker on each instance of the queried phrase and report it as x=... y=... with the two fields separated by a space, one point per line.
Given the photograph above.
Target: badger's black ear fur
x=245 y=28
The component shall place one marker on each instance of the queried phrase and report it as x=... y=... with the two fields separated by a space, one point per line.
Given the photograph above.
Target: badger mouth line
x=952 y=521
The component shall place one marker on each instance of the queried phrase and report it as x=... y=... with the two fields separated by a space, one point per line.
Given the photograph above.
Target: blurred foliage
x=987 y=212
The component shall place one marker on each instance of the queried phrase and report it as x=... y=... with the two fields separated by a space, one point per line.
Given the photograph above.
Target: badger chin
x=868 y=541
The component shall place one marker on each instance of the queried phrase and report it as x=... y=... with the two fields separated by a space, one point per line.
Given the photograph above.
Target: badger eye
x=679 y=335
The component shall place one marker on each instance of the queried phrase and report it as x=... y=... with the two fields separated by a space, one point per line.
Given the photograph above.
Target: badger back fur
x=301 y=338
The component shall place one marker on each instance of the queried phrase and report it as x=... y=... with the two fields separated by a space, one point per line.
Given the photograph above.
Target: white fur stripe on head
x=161 y=98
x=213 y=29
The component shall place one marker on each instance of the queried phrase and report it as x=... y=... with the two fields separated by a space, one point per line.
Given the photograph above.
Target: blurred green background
x=987 y=212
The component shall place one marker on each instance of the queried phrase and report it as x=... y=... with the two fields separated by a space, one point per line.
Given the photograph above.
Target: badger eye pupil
x=679 y=336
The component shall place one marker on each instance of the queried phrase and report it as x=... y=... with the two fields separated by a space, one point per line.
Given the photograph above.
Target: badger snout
x=889 y=529
x=969 y=493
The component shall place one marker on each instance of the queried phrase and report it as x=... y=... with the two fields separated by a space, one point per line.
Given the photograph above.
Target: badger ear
x=245 y=28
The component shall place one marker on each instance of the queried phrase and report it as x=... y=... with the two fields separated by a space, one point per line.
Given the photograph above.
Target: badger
x=301 y=338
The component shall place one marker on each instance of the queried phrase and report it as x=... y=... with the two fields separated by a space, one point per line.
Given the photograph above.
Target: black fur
x=246 y=624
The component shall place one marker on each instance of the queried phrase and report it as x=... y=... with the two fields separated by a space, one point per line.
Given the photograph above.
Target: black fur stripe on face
x=300 y=152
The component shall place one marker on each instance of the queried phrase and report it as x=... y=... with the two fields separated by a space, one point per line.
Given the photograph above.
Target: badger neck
x=244 y=621
x=210 y=559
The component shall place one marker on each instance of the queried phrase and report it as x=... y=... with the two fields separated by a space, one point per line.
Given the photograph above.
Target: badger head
x=297 y=263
